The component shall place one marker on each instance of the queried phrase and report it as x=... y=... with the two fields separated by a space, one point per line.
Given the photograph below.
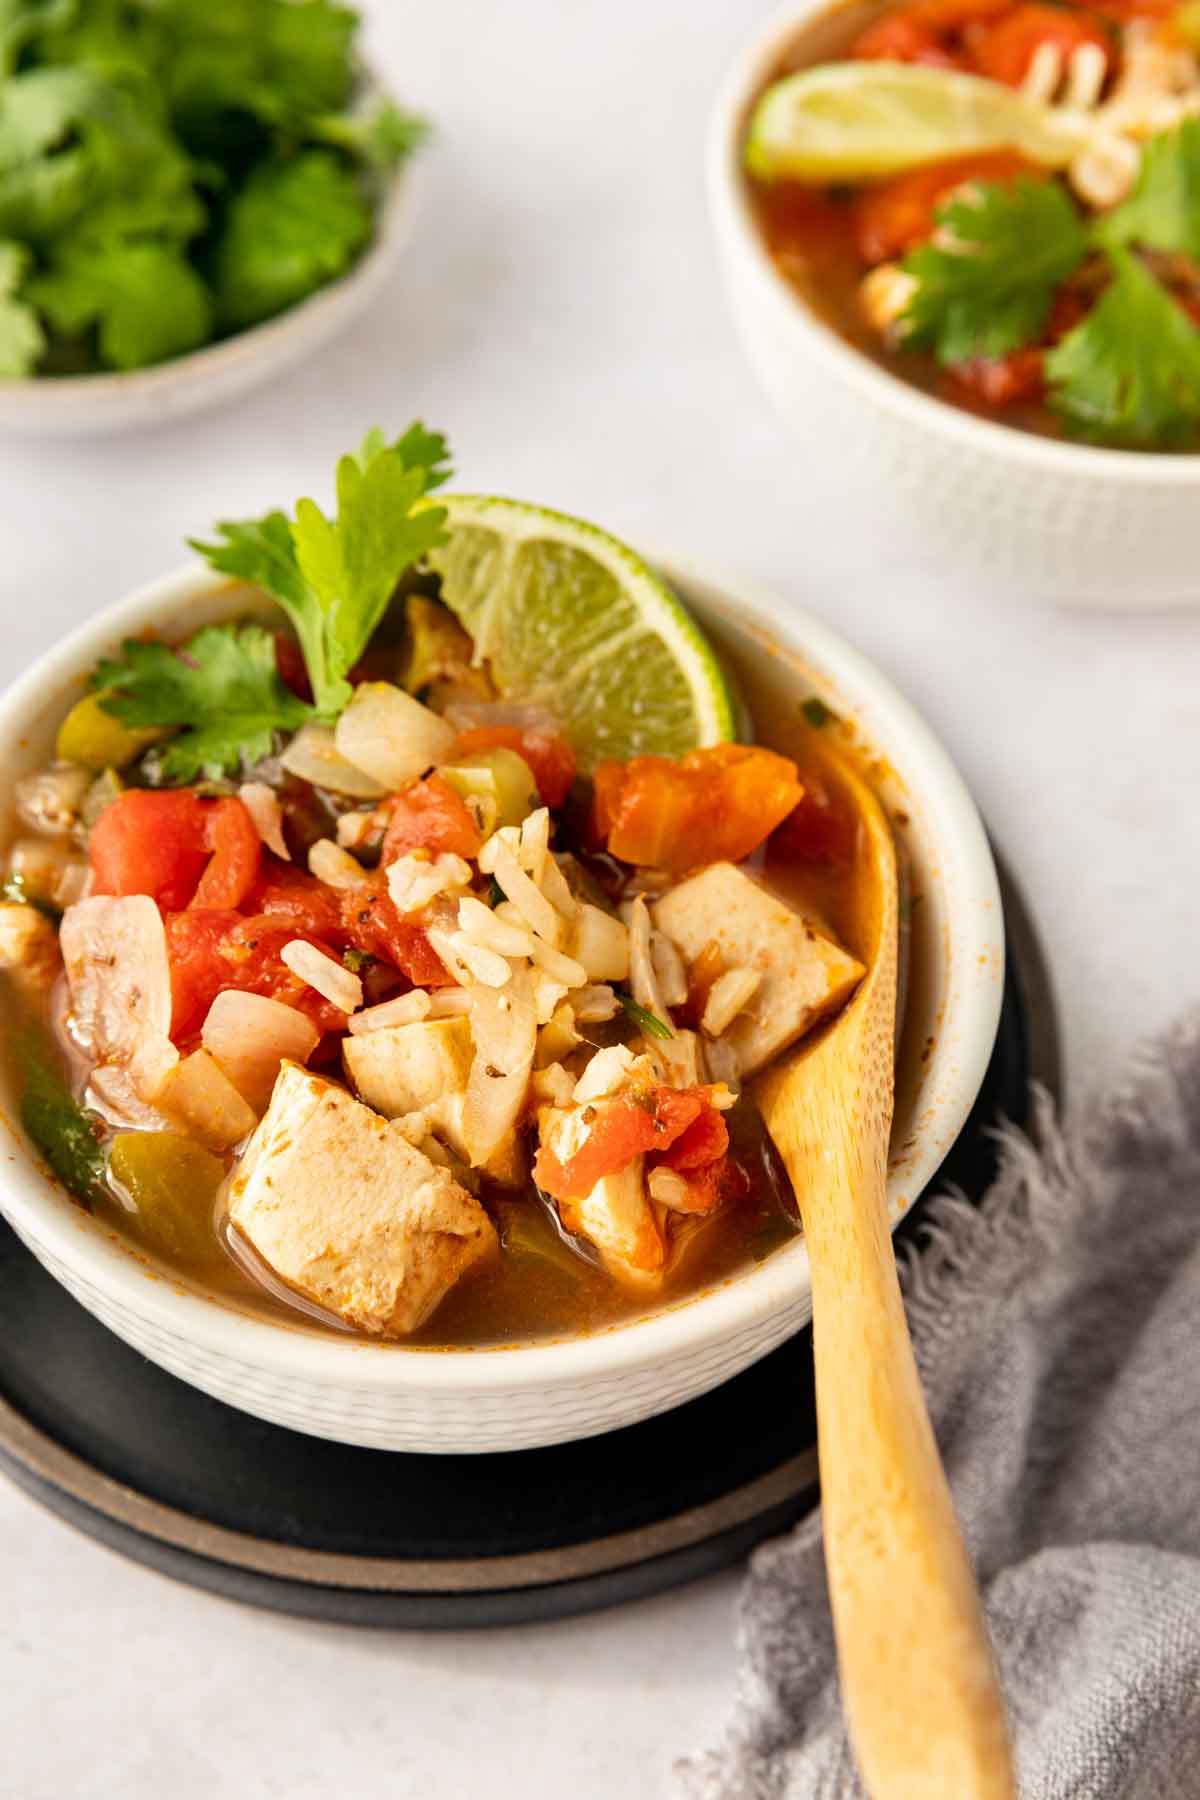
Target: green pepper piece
x=498 y=784
x=173 y=1184
x=93 y=737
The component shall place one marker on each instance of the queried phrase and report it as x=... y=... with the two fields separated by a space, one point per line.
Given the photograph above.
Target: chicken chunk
x=803 y=973
x=425 y=1067
x=347 y=1212
x=115 y=953
x=28 y=947
x=617 y=1216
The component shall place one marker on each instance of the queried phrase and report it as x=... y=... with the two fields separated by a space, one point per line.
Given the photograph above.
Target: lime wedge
x=572 y=620
x=850 y=121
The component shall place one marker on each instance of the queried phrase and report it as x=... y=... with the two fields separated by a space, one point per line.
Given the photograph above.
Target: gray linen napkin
x=1057 y=1331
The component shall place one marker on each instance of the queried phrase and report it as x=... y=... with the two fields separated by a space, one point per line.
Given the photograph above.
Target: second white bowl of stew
x=397 y=914
x=964 y=254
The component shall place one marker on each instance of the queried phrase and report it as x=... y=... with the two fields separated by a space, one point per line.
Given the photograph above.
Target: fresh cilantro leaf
x=58 y=1125
x=335 y=577
x=1163 y=211
x=282 y=61
x=22 y=339
x=985 y=283
x=39 y=108
x=381 y=137
x=647 y=1022
x=222 y=687
x=295 y=225
x=21 y=21
x=1129 y=373
x=356 y=960
x=145 y=299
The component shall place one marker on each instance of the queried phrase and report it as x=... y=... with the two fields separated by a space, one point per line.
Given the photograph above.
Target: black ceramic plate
x=211 y=1496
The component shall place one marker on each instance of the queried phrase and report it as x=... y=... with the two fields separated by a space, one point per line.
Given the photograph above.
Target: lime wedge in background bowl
x=851 y=121
x=570 y=618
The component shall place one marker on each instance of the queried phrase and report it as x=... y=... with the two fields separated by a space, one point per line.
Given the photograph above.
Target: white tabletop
x=559 y=317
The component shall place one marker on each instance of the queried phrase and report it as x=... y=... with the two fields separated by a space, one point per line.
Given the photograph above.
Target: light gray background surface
x=559 y=316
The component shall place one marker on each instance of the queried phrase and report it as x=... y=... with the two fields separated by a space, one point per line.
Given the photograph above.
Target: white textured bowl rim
x=62 y=393
x=731 y=211
x=781 y=1280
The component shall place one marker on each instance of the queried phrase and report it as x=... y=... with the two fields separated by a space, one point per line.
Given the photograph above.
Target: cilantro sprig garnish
x=221 y=692
x=1127 y=374
x=646 y=1021
x=222 y=688
x=334 y=577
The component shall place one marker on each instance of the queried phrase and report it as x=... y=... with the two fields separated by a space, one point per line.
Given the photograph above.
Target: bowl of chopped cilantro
x=963 y=249
x=191 y=197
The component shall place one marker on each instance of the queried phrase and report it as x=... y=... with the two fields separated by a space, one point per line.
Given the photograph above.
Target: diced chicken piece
x=616 y=1216
x=804 y=974
x=115 y=953
x=28 y=947
x=425 y=1068
x=342 y=1207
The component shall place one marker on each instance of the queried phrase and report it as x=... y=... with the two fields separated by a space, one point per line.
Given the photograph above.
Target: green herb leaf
x=146 y=300
x=58 y=1125
x=222 y=687
x=380 y=138
x=495 y=894
x=1163 y=211
x=986 y=282
x=335 y=577
x=647 y=1022
x=22 y=339
x=356 y=960
x=817 y=713
x=1129 y=373
x=296 y=224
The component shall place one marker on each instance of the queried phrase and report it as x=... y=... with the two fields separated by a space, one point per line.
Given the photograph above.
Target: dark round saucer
x=211 y=1496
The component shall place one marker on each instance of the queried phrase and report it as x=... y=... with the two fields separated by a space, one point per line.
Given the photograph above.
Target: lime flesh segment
x=572 y=620
x=853 y=121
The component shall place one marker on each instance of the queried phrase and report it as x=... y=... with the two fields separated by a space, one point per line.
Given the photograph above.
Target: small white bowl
x=401 y=1398
x=89 y=405
x=1069 y=522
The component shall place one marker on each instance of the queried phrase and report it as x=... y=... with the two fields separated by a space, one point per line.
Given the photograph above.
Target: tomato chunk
x=702 y=1142
x=894 y=216
x=712 y=804
x=1006 y=47
x=360 y=918
x=549 y=756
x=212 y=949
x=429 y=815
x=630 y=1126
x=231 y=835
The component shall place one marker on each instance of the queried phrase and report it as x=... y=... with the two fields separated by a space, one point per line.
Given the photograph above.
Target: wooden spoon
x=922 y=1701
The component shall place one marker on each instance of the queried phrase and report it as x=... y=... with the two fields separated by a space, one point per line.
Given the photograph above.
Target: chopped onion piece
x=601 y=944
x=553 y=1086
x=669 y=1188
x=608 y=1070
x=595 y=1004
x=669 y=969
x=548 y=995
x=505 y=1032
x=389 y=734
x=558 y=1037
x=556 y=888
x=313 y=756
x=262 y=803
x=332 y=980
x=728 y=995
x=250 y=1035
x=203 y=1098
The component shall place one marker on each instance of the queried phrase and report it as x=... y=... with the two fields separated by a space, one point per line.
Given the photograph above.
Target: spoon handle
x=921 y=1695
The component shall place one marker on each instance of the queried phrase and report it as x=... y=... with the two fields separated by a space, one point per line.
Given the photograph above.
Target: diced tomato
x=817 y=829
x=231 y=835
x=1005 y=48
x=713 y=804
x=607 y=783
x=429 y=815
x=549 y=756
x=927 y=32
x=702 y=1142
x=994 y=382
x=893 y=216
x=213 y=949
x=362 y=918
x=175 y=846
x=625 y=1128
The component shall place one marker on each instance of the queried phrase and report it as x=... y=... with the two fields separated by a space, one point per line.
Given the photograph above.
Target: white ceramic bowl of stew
x=512 y=1397
x=1064 y=521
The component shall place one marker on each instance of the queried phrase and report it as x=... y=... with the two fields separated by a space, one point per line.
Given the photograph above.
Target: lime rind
x=855 y=121
x=569 y=616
